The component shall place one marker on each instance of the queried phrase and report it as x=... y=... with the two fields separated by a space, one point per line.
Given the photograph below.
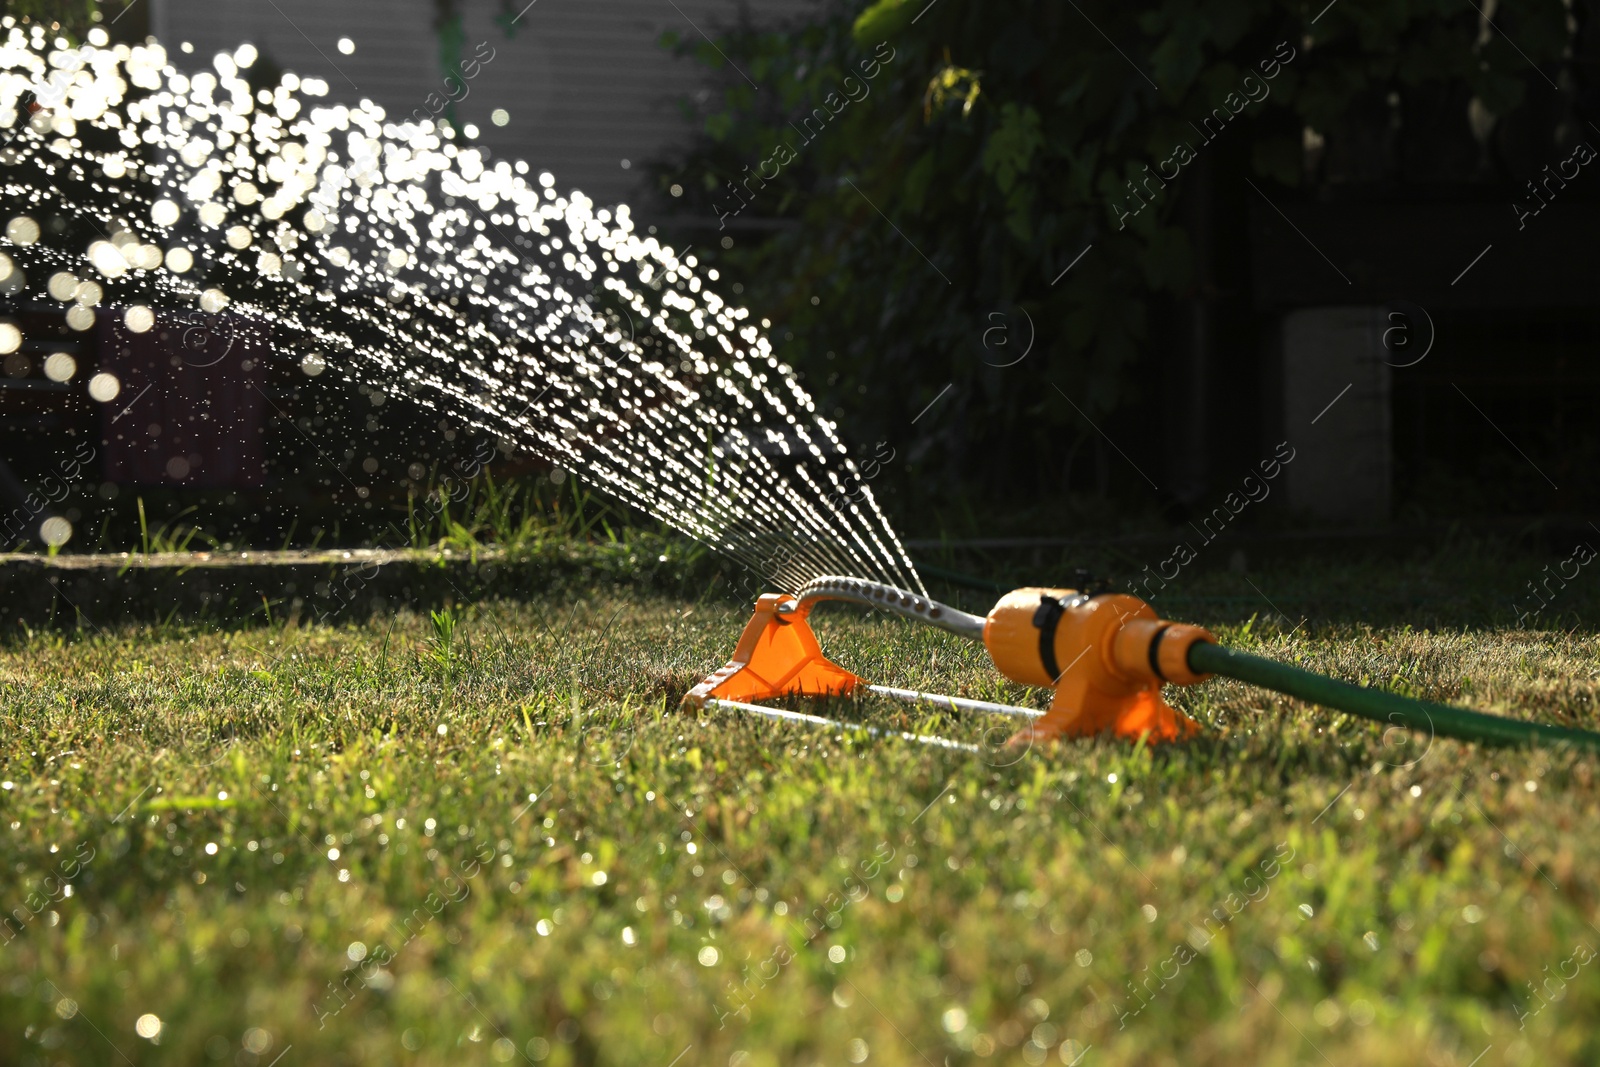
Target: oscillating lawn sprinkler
x=1106 y=655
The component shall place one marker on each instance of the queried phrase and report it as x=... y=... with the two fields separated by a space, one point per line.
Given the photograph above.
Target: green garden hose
x=1439 y=720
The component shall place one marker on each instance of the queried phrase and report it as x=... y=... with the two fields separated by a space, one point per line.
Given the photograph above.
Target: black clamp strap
x=1047 y=618
x=1155 y=651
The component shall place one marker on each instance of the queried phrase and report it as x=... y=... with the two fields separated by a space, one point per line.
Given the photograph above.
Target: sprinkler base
x=777 y=655
x=1075 y=713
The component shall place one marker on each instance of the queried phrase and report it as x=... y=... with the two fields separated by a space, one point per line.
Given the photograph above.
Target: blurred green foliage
x=934 y=216
x=72 y=18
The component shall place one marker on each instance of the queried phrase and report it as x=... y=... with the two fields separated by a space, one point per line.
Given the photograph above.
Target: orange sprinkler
x=1105 y=656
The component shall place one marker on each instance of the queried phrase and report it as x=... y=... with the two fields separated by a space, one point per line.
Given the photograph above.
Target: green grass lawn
x=497 y=838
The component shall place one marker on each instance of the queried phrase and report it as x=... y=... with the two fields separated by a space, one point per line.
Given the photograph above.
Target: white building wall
x=586 y=82
x=1336 y=406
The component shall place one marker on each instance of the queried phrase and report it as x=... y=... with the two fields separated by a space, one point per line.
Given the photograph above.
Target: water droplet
x=63 y=286
x=55 y=531
x=104 y=387
x=22 y=231
x=60 y=367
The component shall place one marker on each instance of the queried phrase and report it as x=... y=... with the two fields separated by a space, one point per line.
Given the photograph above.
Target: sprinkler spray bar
x=888 y=598
x=1107 y=657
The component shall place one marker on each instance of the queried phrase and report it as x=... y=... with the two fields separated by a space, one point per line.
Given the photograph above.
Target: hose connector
x=1105 y=656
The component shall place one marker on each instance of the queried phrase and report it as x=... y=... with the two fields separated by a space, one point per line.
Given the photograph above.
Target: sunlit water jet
x=389 y=254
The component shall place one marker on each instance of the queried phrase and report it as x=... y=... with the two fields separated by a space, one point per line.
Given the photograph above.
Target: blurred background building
x=581 y=88
x=1384 y=261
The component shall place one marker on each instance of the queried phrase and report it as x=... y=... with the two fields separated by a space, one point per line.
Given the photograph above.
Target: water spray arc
x=385 y=250
x=1106 y=656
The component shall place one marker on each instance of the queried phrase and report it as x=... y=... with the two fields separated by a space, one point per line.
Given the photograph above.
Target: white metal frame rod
x=911 y=696
x=817 y=720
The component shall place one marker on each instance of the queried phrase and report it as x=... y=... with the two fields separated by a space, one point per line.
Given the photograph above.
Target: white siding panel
x=586 y=82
